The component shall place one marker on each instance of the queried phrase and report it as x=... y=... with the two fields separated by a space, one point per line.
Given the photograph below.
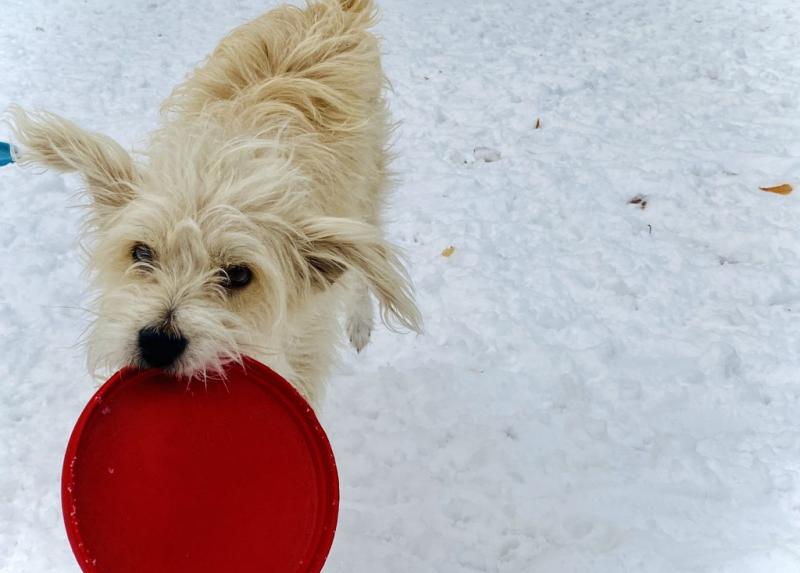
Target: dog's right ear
x=52 y=141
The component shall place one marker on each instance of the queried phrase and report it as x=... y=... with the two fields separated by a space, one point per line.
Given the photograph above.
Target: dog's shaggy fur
x=272 y=156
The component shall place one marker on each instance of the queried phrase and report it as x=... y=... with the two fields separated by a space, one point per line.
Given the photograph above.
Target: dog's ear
x=52 y=141
x=335 y=245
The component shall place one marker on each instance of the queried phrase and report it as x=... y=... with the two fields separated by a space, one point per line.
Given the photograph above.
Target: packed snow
x=603 y=385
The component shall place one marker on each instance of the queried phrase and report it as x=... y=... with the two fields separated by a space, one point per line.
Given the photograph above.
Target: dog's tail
x=358 y=6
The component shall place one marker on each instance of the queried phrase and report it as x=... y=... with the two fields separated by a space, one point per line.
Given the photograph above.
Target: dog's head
x=204 y=252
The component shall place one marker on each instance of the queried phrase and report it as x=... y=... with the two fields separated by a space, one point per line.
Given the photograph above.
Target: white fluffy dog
x=253 y=219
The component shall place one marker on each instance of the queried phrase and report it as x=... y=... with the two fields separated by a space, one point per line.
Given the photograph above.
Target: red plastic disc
x=225 y=478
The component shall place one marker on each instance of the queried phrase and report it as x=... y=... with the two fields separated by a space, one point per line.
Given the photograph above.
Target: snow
x=600 y=387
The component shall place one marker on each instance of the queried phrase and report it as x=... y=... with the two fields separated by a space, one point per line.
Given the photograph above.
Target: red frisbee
x=219 y=478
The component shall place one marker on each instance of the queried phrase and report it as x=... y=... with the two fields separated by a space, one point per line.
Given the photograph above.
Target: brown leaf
x=784 y=189
x=640 y=200
x=448 y=251
x=538 y=123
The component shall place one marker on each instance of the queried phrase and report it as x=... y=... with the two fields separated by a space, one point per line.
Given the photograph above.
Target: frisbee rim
x=322 y=542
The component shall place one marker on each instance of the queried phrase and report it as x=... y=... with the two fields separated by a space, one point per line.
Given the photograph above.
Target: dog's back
x=312 y=75
x=320 y=60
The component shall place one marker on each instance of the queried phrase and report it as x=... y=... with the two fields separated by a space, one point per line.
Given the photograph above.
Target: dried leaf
x=448 y=251
x=784 y=189
x=538 y=123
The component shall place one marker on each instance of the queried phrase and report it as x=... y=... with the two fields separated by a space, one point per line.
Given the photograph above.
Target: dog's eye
x=237 y=276
x=141 y=253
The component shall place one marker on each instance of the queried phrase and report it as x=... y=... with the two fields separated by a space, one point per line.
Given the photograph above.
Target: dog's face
x=208 y=251
x=186 y=287
x=199 y=261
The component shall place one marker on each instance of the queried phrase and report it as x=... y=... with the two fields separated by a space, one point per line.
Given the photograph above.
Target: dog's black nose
x=159 y=349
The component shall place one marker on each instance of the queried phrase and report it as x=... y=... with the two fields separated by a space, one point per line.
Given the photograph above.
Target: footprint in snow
x=486 y=154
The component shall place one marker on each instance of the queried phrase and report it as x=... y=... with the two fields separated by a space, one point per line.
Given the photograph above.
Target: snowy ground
x=601 y=388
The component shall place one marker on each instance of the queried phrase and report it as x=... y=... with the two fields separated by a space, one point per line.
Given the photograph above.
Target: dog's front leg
x=360 y=316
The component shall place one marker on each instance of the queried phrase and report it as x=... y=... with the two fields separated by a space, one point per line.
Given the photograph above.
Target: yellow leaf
x=784 y=189
x=448 y=251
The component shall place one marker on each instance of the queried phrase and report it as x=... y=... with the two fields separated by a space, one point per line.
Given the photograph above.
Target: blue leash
x=7 y=153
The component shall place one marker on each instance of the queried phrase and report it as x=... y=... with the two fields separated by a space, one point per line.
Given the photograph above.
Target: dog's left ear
x=335 y=245
x=52 y=141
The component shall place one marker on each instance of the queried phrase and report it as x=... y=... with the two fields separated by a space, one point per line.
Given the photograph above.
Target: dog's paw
x=359 y=332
